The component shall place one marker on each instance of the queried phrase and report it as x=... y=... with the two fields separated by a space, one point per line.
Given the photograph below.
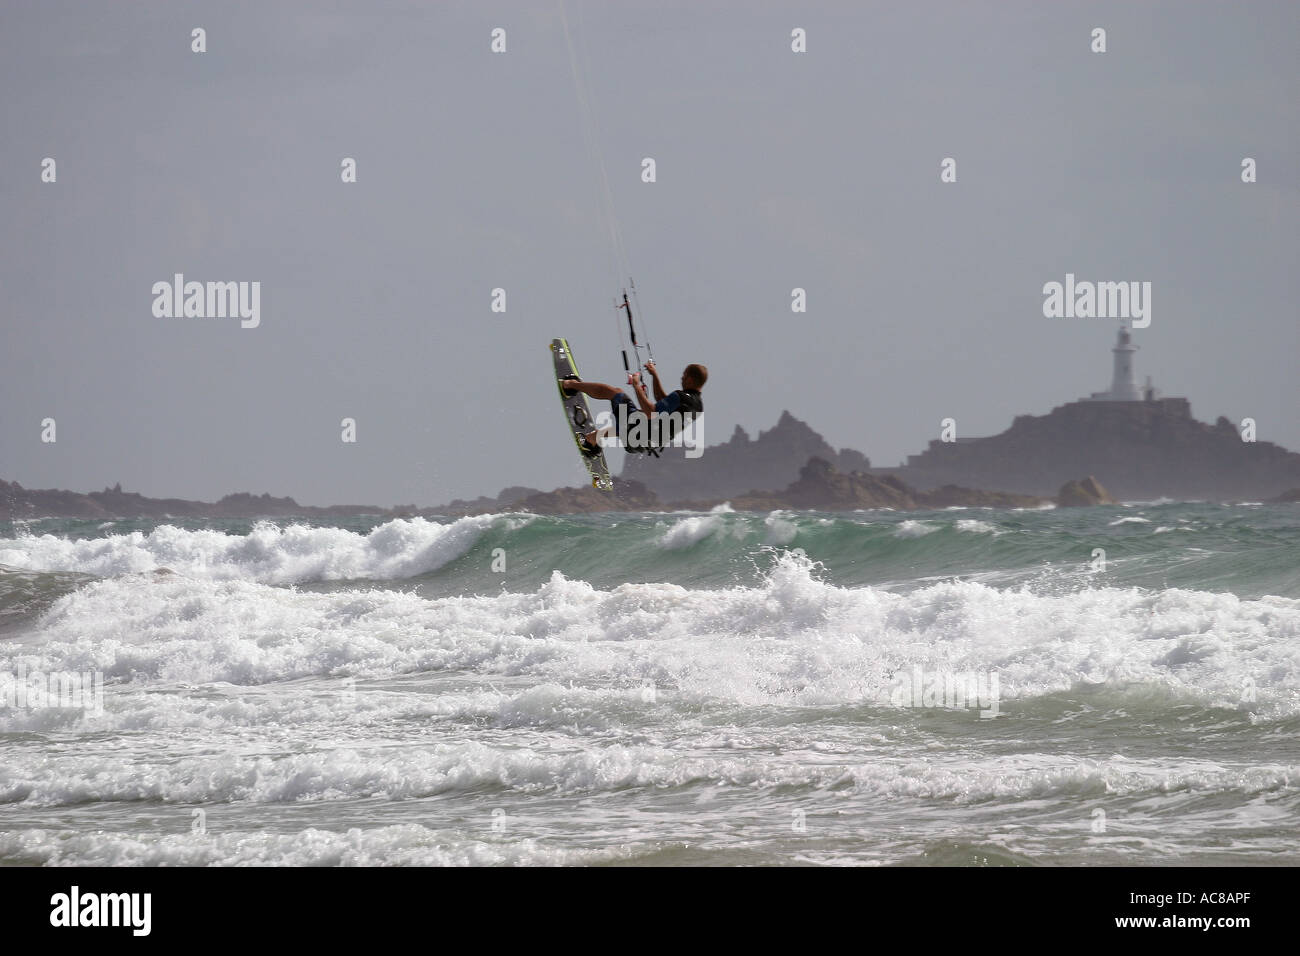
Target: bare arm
x=642 y=398
x=660 y=394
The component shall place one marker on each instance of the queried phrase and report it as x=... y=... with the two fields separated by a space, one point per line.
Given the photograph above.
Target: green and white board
x=578 y=415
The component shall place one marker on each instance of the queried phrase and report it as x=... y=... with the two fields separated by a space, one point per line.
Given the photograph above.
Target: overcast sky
x=775 y=170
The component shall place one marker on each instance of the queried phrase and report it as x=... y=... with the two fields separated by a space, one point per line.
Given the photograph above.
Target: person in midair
x=684 y=401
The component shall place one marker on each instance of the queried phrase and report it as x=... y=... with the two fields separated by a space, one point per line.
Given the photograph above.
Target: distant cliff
x=822 y=487
x=1146 y=450
x=740 y=464
x=19 y=502
x=480 y=505
x=627 y=496
x=818 y=486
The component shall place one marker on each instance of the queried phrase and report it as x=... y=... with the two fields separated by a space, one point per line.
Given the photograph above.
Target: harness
x=689 y=406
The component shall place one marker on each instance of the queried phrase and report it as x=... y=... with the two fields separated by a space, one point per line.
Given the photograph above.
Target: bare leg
x=596 y=390
x=601 y=392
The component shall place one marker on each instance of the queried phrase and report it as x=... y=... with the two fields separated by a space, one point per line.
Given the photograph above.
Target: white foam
x=780 y=529
x=793 y=640
x=913 y=529
x=413 y=773
x=399 y=845
x=688 y=531
x=269 y=554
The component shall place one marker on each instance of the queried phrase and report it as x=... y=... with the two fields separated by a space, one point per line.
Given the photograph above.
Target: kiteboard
x=578 y=415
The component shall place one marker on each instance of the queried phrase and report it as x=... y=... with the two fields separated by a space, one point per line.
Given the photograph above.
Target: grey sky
x=775 y=170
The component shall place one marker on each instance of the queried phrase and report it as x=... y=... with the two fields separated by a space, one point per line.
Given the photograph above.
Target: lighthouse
x=1123 y=387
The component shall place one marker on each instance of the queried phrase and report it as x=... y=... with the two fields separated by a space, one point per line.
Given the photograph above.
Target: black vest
x=691 y=402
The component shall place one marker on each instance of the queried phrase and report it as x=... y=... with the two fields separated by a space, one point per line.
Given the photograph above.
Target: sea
x=968 y=687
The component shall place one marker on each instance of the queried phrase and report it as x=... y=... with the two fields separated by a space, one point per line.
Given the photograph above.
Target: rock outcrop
x=1146 y=449
x=1075 y=494
x=819 y=486
x=19 y=502
x=508 y=498
x=733 y=467
x=1149 y=449
x=626 y=496
x=822 y=487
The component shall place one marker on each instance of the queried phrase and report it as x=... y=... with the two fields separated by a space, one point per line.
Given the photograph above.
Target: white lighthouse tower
x=1123 y=387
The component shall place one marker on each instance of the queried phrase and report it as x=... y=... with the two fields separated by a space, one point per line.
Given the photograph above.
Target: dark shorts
x=620 y=398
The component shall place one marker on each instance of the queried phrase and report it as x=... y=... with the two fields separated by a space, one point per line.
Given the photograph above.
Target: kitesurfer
x=680 y=405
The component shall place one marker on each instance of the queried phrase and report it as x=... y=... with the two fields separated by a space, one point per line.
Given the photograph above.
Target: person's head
x=694 y=377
